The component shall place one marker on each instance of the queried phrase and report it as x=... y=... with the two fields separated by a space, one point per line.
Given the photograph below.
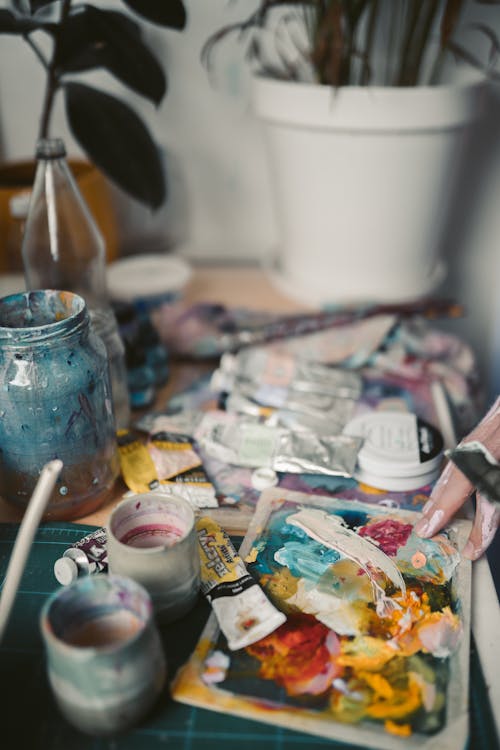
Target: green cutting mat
x=31 y=721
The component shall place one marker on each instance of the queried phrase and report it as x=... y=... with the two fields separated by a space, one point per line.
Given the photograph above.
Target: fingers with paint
x=454 y=488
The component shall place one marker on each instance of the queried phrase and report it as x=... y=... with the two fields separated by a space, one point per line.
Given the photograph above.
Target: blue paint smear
x=308 y=560
x=354 y=518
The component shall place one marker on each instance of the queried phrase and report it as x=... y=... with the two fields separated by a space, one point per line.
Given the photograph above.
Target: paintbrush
x=24 y=539
x=479 y=466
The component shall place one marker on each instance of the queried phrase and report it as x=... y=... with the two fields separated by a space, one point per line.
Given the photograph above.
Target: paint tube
x=168 y=464
x=172 y=454
x=269 y=375
x=85 y=557
x=480 y=467
x=243 y=442
x=244 y=612
x=183 y=422
x=326 y=415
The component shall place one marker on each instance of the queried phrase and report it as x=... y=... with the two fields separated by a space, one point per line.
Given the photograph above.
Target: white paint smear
x=328 y=530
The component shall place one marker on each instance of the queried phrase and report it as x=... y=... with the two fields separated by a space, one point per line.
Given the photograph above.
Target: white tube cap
x=65 y=570
x=263 y=478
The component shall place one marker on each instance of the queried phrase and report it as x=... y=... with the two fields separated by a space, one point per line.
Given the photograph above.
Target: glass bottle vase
x=63 y=249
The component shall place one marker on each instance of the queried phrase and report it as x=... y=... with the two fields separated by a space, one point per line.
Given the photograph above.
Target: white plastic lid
x=65 y=570
x=147 y=275
x=397 y=444
x=263 y=478
x=19 y=204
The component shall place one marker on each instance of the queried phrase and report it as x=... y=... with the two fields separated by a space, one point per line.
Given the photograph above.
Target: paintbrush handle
x=24 y=539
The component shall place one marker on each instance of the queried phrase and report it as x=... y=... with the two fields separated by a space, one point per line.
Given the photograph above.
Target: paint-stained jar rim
x=128 y=510
x=108 y=582
x=24 y=322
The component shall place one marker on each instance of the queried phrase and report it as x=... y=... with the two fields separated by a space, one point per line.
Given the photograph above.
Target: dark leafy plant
x=356 y=42
x=83 y=38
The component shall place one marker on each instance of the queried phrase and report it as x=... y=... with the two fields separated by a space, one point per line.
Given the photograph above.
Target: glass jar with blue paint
x=55 y=402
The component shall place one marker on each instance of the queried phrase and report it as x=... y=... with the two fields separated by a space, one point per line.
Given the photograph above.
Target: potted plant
x=70 y=39
x=366 y=121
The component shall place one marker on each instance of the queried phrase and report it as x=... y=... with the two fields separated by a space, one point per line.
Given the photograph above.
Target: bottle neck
x=50 y=148
x=62 y=245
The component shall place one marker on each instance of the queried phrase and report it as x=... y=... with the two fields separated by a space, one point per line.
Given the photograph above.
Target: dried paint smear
x=340 y=653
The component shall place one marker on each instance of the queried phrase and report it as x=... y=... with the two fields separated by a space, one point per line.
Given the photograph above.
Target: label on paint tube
x=168 y=463
x=85 y=557
x=244 y=612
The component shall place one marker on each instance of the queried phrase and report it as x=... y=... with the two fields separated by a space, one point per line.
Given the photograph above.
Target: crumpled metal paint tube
x=244 y=442
x=480 y=467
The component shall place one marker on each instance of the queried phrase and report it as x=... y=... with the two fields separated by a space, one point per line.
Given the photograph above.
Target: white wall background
x=219 y=204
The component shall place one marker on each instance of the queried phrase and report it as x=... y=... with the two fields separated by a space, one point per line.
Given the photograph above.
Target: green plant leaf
x=37 y=4
x=169 y=13
x=117 y=141
x=92 y=38
x=13 y=24
x=449 y=20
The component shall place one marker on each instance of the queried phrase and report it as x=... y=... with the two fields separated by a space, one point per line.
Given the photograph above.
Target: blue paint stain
x=54 y=387
x=354 y=518
x=306 y=559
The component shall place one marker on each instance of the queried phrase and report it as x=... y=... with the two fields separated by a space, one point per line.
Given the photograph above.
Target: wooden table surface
x=244 y=286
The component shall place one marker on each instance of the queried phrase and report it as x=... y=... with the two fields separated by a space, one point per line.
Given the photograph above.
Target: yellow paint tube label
x=137 y=466
x=244 y=612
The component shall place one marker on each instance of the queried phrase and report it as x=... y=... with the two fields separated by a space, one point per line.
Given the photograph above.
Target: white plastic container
x=400 y=451
x=148 y=279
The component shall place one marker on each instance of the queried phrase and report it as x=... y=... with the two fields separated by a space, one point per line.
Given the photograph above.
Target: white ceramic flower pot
x=363 y=180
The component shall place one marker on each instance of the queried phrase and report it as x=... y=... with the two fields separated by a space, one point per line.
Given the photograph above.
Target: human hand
x=453 y=489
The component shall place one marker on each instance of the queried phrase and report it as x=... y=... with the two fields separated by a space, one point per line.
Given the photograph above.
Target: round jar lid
x=142 y=276
x=397 y=444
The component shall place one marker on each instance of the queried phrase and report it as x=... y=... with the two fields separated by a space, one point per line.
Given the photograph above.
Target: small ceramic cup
x=152 y=539
x=105 y=661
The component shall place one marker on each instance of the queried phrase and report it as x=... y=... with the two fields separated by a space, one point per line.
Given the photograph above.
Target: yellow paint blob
x=252 y=555
x=402 y=703
x=369 y=490
x=380 y=686
x=400 y=730
x=280 y=586
x=366 y=653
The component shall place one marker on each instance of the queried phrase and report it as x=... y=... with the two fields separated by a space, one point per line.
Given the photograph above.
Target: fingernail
x=435 y=521
x=428 y=507
x=421 y=527
x=428 y=526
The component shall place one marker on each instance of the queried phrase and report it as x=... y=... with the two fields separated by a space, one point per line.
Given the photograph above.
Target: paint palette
x=375 y=649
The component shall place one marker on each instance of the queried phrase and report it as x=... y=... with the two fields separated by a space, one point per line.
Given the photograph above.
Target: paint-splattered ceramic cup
x=104 y=657
x=152 y=539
